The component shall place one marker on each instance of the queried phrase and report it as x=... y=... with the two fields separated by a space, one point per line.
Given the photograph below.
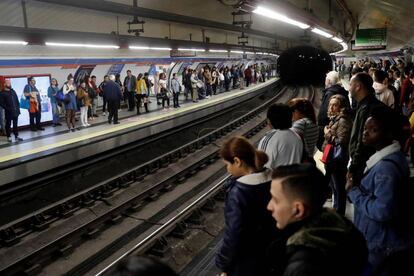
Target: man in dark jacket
x=113 y=94
x=129 y=84
x=10 y=102
x=314 y=240
x=362 y=91
x=32 y=93
x=332 y=88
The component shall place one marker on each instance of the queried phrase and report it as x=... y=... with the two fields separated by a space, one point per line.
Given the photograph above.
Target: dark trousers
x=247 y=82
x=165 y=98
x=113 y=111
x=208 y=89
x=337 y=181
x=35 y=117
x=139 y=98
x=175 y=99
x=131 y=100
x=70 y=118
x=214 y=86
x=9 y=120
x=104 y=104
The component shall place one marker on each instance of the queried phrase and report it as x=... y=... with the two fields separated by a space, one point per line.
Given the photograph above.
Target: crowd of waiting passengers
x=275 y=219
x=135 y=91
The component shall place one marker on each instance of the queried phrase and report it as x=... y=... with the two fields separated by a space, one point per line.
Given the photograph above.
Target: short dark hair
x=174 y=74
x=29 y=79
x=388 y=120
x=93 y=77
x=280 y=116
x=306 y=182
x=380 y=76
x=128 y=71
x=365 y=79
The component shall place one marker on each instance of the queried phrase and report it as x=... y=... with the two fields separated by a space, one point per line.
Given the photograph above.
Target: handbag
x=24 y=102
x=337 y=152
x=327 y=153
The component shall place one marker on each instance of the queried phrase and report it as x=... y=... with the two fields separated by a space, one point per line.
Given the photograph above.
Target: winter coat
x=132 y=80
x=249 y=226
x=112 y=91
x=322 y=245
x=335 y=89
x=141 y=87
x=378 y=212
x=51 y=93
x=339 y=132
x=83 y=97
x=359 y=152
x=10 y=102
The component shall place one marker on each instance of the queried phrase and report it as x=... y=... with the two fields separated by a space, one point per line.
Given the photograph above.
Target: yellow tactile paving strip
x=19 y=151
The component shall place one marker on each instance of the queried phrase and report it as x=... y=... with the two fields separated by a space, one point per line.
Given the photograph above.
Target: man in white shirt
x=282 y=145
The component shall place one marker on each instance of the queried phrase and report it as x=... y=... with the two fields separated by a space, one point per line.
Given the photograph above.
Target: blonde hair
x=333 y=77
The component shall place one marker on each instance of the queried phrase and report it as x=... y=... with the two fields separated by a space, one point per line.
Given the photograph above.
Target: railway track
x=109 y=216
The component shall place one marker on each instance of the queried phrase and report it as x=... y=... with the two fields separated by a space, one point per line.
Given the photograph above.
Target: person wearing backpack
x=382 y=208
x=51 y=93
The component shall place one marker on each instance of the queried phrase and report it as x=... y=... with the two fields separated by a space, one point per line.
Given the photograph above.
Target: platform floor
x=54 y=137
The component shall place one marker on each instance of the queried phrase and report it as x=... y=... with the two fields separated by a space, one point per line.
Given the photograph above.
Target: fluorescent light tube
x=13 y=42
x=160 y=48
x=250 y=53
x=194 y=50
x=322 y=33
x=337 y=39
x=139 y=47
x=236 y=52
x=82 y=45
x=217 y=51
x=277 y=16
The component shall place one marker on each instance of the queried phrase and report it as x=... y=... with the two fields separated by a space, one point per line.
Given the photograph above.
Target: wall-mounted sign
x=371 y=37
x=366 y=48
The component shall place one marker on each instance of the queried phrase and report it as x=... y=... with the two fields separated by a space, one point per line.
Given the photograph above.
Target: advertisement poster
x=42 y=84
x=82 y=72
x=115 y=69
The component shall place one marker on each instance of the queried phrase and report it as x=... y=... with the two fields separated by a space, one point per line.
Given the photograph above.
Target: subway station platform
x=44 y=150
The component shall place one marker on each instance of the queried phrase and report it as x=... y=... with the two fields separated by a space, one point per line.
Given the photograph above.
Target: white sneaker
x=104 y=114
x=88 y=124
x=208 y=97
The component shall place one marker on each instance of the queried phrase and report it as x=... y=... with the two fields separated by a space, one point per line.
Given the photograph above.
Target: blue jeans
x=55 y=113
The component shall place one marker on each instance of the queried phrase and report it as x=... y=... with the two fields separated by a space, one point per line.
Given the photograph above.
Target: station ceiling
x=195 y=20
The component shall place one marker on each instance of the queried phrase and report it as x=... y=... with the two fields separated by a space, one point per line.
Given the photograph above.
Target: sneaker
x=54 y=125
x=88 y=124
x=72 y=129
x=33 y=129
x=104 y=114
x=58 y=124
x=40 y=128
x=109 y=122
x=116 y=123
x=208 y=97
x=18 y=139
x=94 y=115
x=9 y=139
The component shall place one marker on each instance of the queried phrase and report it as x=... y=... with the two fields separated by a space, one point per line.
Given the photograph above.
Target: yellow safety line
x=115 y=128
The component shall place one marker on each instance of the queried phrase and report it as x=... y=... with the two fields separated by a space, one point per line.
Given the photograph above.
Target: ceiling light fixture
x=99 y=46
x=193 y=50
x=217 y=51
x=337 y=39
x=236 y=52
x=322 y=33
x=13 y=42
x=277 y=16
